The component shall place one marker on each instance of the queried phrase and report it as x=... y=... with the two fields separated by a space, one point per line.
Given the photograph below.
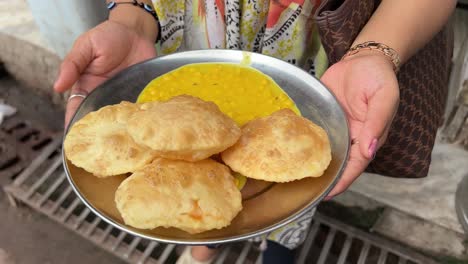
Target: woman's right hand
x=101 y=53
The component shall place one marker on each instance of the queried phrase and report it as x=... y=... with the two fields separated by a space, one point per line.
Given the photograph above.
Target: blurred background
x=379 y=220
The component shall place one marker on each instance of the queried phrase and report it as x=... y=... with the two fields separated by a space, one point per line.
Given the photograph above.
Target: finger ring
x=82 y=95
x=354 y=141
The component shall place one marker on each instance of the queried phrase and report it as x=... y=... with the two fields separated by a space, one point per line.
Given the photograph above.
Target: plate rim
x=208 y=241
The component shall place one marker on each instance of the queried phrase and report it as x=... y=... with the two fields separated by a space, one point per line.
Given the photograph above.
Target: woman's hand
x=367 y=88
x=99 y=54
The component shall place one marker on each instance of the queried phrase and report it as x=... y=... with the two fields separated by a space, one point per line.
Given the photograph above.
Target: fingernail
x=373 y=148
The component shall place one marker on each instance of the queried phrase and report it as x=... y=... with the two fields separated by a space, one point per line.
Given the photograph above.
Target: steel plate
x=271 y=208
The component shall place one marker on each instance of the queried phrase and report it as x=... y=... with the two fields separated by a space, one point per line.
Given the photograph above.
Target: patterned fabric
x=293 y=234
x=280 y=28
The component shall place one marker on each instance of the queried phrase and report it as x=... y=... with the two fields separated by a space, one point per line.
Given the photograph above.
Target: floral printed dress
x=280 y=28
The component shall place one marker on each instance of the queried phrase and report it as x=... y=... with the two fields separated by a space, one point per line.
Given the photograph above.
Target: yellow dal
x=241 y=92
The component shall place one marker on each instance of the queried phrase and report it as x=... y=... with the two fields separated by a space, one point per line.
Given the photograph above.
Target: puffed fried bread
x=183 y=128
x=281 y=147
x=192 y=196
x=100 y=143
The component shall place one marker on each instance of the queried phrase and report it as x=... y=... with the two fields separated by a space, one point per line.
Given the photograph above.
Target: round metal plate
x=272 y=208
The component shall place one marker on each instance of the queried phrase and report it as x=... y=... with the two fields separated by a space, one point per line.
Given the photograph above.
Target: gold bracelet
x=372 y=45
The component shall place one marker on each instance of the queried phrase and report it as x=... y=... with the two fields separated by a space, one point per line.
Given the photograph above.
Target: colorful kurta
x=280 y=28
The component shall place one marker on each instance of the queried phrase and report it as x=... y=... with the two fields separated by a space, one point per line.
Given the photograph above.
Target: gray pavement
x=27 y=237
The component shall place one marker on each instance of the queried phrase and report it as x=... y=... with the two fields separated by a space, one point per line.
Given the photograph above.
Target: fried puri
x=281 y=147
x=183 y=128
x=100 y=143
x=192 y=196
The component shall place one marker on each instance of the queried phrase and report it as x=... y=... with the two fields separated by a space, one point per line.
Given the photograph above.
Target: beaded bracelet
x=146 y=7
x=372 y=45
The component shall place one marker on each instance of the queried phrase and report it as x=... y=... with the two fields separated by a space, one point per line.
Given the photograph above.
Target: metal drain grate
x=330 y=241
x=20 y=143
x=43 y=186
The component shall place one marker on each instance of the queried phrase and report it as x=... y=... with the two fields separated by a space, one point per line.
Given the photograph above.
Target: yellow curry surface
x=241 y=92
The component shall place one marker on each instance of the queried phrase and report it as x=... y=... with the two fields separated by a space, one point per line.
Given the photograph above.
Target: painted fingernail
x=373 y=148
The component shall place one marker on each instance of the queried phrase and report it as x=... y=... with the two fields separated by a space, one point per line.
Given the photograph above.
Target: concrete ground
x=30 y=105
x=27 y=237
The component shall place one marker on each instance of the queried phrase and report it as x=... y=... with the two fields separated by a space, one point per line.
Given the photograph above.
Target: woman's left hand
x=367 y=88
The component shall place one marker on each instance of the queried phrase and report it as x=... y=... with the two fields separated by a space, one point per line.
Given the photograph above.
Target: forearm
x=135 y=18
x=406 y=26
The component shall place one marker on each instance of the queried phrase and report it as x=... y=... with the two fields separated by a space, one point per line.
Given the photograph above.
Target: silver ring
x=76 y=95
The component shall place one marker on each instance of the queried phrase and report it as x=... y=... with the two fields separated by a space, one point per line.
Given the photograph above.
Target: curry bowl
x=270 y=206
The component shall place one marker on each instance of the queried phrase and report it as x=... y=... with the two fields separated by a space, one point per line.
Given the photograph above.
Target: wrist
x=373 y=47
x=373 y=55
x=136 y=19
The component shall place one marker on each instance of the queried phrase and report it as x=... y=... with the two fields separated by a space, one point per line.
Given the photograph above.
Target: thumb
x=380 y=112
x=74 y=63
